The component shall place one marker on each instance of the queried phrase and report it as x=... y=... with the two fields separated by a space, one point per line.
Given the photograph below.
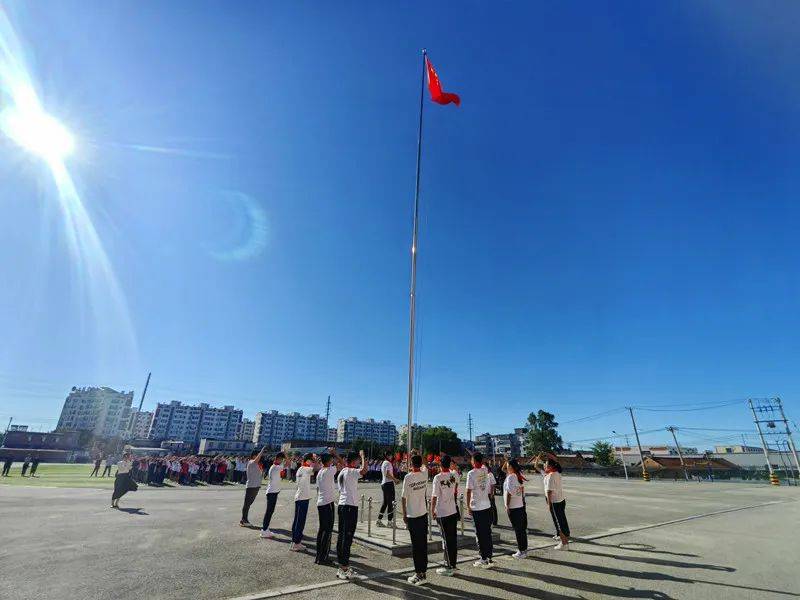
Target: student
x=445 y=511
x=348 y=511
x=301 y=498
x=7 y=466
x=326 y=486
x=387 y=487
x=35 y=465
x=276 y=471
x=255 y=473
x=556 y=502
x=415 y=516
x=25 y=465
x=123 y=483
x=478 y=489
x=96 y=467
x=514 y=499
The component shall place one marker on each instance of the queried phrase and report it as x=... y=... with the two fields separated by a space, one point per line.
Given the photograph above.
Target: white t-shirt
x=415 y=487
x=123 y=466
x=512 y=488
x=348 y=486
x=274 y=479
x=478 y=481
x=326 y=485
x=386 y=469
x=254 y=474
x=303 y=478
x=445 y=488
x=552 y=483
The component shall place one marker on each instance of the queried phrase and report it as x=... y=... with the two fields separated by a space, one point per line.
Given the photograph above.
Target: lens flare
x=36 y=131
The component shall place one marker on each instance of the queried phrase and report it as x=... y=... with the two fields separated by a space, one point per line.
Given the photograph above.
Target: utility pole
x=645 y=474
x=132 y=421
x=470 y=427
x=773 y=479
x=327 y=414
x=789 y=435
x=671 y=429
x=621 y=457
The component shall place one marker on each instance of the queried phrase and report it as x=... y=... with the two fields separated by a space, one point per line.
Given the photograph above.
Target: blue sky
x=609 y=219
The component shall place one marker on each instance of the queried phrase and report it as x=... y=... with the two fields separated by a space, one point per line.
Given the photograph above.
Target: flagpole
x=413 y=315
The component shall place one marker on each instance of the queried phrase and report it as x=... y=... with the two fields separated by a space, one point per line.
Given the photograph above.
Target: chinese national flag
x=435 y=88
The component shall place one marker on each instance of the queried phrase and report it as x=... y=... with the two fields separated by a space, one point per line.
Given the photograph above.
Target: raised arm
x=364 y=465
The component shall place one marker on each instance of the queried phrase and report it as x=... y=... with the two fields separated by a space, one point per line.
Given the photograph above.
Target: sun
x=27 y=124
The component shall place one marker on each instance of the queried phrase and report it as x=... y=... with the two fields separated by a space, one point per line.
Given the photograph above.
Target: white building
x=332 y=435
x=101 y=410
x=181 y=422
x=380 y=432
x=273 y=428
x=752 y=457
x=139 y=424
x=630 y=454
x=246 y=430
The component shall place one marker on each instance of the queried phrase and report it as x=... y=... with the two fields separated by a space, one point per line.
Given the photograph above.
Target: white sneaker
x=379 y=523
x=520 y=554
x=267 y=534
x=415 y=579
x=479 y=563
x=351 y=573
x=297 y=548
x=488 y=564
x=445 y=571
x=341 y=574
x=556 y=537
x=562 y=546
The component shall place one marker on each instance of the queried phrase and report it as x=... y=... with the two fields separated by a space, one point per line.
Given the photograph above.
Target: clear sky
x=610 y=217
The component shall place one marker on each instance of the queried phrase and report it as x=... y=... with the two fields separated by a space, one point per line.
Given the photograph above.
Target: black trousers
x=493 y=509
x=560 y=516
x=96 y=470
x=325 y=533
x=7 y=467
x=250 y=494
x=106 y=471
x=519 y=521
x=348 y=516
x=418 y=530
x=272 y=499
x=483 y=531
x=449 y=528
x=388 y=498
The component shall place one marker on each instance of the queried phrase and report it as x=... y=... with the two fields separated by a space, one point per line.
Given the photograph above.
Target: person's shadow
x=133 y=511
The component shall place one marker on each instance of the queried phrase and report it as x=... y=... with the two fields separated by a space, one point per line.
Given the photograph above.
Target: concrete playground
x=633 y=539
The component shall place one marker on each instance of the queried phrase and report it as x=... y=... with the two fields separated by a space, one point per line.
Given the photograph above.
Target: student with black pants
x=514 y=499
x=276 y=471
x=255 y=473
x=7 y=466
x=96 y=469
x=444 y=510
x=415 y=516
x=326 y=486
x=478 y=490
x=387 y=487
x=348 y=511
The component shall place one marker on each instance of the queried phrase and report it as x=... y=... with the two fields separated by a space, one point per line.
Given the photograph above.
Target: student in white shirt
x=255 y=473
x=301 y=499
x=276 y=471
x=387 y=487
x=326 y=486
x=556 y=502
x=514 y=499
x=348 y=510
x=478 y=490
x=444 y=510
x=415 y=516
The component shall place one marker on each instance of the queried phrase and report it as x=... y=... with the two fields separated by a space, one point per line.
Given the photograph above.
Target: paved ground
x=183 y=543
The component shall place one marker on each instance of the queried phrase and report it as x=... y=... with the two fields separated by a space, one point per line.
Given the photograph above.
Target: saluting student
x=478 y=489
x=415 y=516
x=276 y=471
x=326 y=486
x=348 y=511
x=301 y=499
x=514 y=499
x=445 y=511
x=255 y=473
x=387 y=487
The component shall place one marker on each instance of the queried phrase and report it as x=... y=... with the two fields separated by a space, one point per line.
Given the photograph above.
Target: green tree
x=604 y=454
x=440 y=439
x=542 y=434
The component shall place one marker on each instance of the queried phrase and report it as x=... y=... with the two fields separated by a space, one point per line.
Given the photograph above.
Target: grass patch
x=59 y=475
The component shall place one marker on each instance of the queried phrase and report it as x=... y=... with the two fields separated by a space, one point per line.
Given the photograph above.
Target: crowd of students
x=334 y=473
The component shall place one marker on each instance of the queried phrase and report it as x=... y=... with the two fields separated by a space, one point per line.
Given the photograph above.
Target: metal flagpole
x=414 y=268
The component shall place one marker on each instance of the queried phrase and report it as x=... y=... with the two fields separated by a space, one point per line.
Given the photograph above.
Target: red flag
x=435 y=88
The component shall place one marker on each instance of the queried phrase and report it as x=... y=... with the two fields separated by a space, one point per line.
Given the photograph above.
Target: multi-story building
x=273 y=428
x=139 y=424
x=246 y=430
x=225 y=446
x=182 y=422
x=101 y=410
x=502 y=444
x=417 y=433
x=331 y=435
x=380 y=432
